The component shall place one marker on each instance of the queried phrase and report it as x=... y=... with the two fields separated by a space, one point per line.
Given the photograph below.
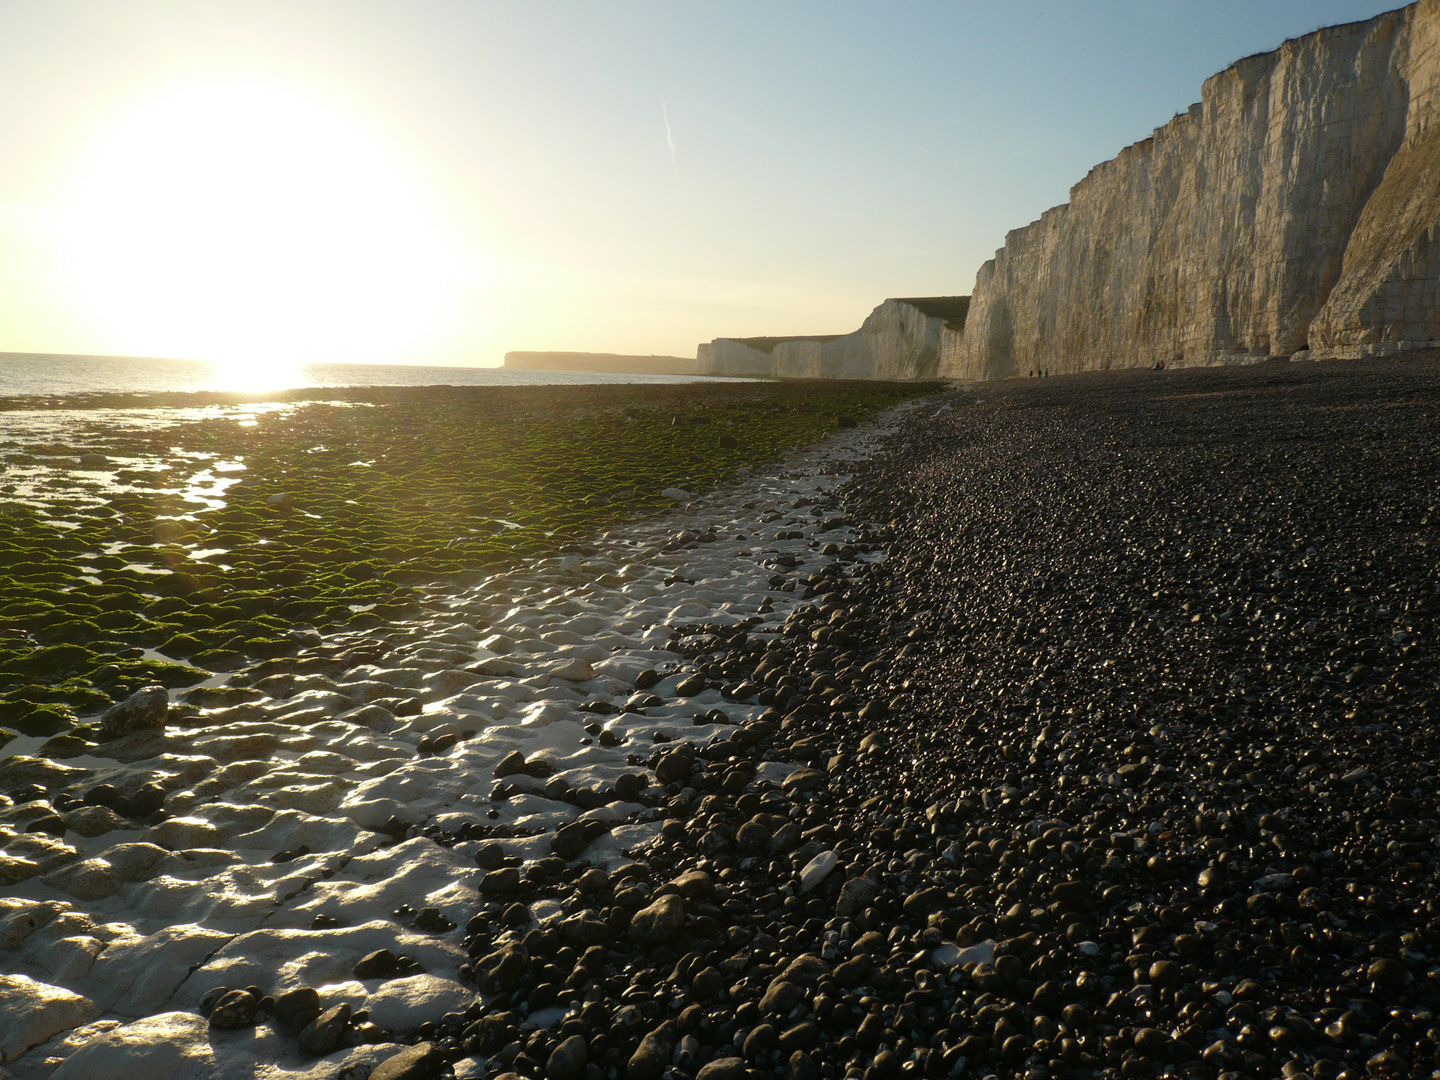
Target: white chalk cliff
x=1294 y=208
x=903 y=338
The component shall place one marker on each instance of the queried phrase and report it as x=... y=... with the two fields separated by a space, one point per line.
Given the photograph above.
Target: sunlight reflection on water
x=28 y=375
x=43 y=456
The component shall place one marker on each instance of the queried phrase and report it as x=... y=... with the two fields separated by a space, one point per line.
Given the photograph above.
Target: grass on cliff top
x=348 y=500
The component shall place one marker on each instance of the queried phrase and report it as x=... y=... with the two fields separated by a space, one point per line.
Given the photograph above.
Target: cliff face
x=901 y=339
x=1295 y=207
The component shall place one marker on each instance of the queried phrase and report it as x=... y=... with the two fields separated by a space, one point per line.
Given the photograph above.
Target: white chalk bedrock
x=109 y=941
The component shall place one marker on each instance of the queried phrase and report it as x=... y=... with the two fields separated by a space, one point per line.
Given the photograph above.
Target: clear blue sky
x=819 y=157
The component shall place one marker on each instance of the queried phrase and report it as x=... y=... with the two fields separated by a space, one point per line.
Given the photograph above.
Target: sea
x=31 y=375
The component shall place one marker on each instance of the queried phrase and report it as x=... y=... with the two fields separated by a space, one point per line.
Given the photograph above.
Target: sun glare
x=252 y=225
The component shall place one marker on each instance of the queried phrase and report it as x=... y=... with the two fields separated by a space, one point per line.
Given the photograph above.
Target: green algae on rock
x=226 y=522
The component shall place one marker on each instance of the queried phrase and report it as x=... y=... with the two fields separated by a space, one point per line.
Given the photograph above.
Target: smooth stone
x=856 y=895
x=762 y=1039
x=379 y=964
x=145 y=800
x=501 y=882
x=418 y=1062
x=235 y=1010
x=51 y=824
x=726 y=1068
x=803 y=780
x=293 y=1006
x=695 y=885
x=807 y=969
x=501 y=969
x=658 y=923
x=322 y=1035
x=567 y=1061
x=780 y=998
x=817 y=870
x=802 y=1036
x=691 y=686
x=853 y=971
x=708 y=983
x=570 y=840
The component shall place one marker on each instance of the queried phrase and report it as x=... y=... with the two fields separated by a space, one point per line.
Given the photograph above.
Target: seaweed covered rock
x=146 y=709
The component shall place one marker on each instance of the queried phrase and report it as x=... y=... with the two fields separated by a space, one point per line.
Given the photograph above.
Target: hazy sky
x=443 y=180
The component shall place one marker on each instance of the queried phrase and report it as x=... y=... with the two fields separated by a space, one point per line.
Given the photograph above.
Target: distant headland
x=609 y=362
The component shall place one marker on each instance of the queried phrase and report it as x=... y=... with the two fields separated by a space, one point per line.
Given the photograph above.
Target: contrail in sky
x=670 y=142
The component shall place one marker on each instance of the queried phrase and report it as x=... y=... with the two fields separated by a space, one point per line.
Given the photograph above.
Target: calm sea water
x=26 y=374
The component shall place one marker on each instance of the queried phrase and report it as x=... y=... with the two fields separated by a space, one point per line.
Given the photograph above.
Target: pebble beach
x=1075 y=727
x=348 y=801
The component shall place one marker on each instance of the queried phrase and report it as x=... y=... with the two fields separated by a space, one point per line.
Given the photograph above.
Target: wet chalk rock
x=89 y=879
x=145 y=709
x=31 y=1012
x=92 y=821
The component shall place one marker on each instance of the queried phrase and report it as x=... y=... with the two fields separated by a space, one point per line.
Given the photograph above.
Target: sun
x=256 y=226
